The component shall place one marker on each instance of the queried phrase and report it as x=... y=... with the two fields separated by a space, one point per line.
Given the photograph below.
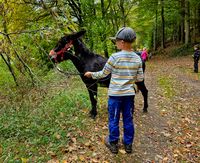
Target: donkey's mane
x=85 y=52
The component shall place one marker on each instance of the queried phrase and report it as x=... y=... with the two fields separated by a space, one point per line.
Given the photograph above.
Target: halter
x=67 y=47
x=61 y=52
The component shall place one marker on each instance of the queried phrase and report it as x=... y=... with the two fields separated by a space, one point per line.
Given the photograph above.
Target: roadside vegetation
x=36 y=122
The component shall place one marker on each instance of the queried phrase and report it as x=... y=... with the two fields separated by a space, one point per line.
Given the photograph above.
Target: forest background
x=29 y=29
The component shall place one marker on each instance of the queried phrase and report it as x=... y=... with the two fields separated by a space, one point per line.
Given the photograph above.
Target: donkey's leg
x=143 y=89
x=93 y=98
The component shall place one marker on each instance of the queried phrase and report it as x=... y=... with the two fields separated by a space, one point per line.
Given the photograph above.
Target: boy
x=196 y=58
x=125 y=68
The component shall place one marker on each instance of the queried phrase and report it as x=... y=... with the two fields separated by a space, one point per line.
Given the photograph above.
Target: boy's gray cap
x=126 y=33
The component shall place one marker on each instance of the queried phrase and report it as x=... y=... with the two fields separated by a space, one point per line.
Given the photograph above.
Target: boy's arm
x=103 y=73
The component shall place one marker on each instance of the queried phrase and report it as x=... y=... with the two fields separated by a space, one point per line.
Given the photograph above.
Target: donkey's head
x=58 y=54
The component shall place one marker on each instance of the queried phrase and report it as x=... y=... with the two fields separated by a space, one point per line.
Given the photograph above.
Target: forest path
x=169 y=132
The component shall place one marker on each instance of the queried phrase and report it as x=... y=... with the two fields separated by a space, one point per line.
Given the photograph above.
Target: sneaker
x=128 y=148
x=111 y=145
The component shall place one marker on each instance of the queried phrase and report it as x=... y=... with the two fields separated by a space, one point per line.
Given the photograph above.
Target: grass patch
x=36 y=122
x=167 y=85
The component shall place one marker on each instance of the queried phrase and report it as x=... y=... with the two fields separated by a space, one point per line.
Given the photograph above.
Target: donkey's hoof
x=93 y=115
x=145 y=109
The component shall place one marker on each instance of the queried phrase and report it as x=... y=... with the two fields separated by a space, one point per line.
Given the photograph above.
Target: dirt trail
x=167 y=133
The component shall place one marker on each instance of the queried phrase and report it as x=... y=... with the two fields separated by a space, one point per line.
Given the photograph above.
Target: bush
x=182 y=51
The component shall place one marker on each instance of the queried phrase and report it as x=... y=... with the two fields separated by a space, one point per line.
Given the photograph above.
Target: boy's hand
x=88 y=74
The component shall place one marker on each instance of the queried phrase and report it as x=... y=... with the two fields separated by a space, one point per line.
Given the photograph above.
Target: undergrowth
x=175 y=51
x=182 y=51
x=36 y=121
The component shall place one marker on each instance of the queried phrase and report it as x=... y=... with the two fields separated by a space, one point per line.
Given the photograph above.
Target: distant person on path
x=144 y=57
x=139 y=53
x=196 y=57
x=125 y=68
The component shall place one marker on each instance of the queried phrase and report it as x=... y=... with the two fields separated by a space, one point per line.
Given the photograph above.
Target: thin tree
x=187 y=22
x=162 y=25
x=11 y=70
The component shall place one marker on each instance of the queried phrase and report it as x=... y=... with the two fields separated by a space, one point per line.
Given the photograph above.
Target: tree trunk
x=8 y=57
x=198 y=19
x=196 y=23
x=182 y=21
x=162 y=25
x=187 y=23
x=26 y=67
x=121 y=4
x=10 y=67
x=155 y=32
x=103 y=35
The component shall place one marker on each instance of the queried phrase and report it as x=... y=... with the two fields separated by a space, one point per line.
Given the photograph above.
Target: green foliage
x=101 y=19
x=38 y=121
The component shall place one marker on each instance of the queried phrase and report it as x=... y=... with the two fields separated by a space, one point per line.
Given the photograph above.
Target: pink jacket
x=144 y=55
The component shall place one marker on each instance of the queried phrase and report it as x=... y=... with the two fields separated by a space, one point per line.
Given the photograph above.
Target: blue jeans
x=124 y=104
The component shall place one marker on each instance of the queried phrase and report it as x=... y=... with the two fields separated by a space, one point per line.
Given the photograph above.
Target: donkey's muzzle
x=53 y=56
x=52 y=53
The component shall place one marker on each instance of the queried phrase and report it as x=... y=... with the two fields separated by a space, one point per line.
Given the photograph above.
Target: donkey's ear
x=83 y=31
x=79 y=34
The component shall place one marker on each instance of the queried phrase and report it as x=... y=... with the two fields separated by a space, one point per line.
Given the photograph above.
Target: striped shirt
x=125 y=68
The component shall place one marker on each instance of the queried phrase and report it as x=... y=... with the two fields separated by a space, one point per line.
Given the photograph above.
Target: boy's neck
x=129 y=50
x=127 y=47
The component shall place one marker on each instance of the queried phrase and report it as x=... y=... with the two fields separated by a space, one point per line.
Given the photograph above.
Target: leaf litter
x=169 y=132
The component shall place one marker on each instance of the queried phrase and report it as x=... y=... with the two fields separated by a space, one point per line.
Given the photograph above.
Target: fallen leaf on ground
x=53 y=161
x=122 y=151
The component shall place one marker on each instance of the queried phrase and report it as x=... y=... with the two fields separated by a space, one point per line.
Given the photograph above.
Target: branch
x=9 y=67
x=31 y=31
x=3 y=33
x=26 y=67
